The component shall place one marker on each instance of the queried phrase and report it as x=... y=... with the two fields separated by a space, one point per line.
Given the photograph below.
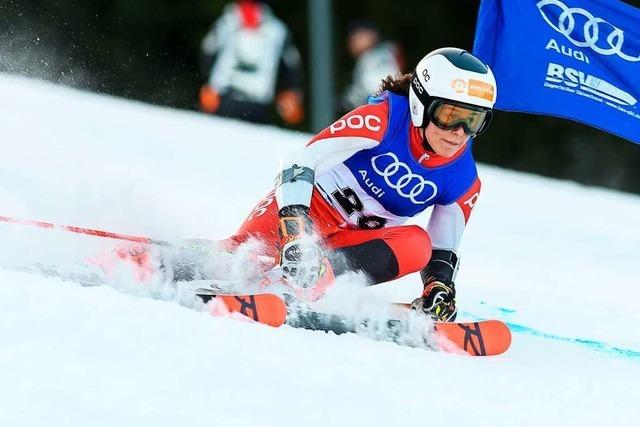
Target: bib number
x=351 y=203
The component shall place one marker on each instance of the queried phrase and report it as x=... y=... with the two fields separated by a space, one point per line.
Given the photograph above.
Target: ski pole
x=112 y=235
x=88 y=231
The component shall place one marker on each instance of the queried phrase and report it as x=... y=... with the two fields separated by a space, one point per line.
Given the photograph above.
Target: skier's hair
x=399 y=84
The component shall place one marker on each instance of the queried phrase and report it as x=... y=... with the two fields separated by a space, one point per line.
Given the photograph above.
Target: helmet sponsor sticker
x=458 y=85
x=480 y=89
x=426 y=76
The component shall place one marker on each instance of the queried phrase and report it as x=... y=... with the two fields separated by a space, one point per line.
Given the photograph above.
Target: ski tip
x=268 y=309
x=483 y=338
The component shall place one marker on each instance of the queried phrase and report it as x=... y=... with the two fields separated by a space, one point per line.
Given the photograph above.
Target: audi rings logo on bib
x=583 y=29
x=401 y=178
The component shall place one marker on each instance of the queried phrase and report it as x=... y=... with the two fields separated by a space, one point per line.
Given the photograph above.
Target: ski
x=265 y=308
x=483 y=338
x=82 y=278
x=268 y=309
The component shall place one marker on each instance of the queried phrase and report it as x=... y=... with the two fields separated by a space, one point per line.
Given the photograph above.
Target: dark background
x=148 y=50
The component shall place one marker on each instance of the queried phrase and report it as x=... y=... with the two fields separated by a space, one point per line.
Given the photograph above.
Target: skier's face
x=445 y=143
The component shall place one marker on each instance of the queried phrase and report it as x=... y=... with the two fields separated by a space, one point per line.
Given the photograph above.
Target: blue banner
x=577 y=59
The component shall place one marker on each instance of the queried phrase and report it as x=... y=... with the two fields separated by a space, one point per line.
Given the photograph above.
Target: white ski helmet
x=455 y=75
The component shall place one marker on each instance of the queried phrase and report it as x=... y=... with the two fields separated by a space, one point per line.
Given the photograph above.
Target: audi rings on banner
x=593 y=30
x=401 y=178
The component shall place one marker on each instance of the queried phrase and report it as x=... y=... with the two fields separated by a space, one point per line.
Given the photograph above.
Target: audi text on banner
x=578 y=59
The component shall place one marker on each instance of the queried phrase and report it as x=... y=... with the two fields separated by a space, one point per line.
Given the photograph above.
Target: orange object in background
x=209 y=99
x=290 y=108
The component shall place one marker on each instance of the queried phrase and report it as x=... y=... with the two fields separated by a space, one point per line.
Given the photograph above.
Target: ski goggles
x=450 y=115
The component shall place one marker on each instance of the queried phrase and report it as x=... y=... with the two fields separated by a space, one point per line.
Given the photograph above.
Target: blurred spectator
x=249 y=59
x=374 y=58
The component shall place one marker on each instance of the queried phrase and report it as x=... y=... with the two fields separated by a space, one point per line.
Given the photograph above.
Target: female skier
x=340 y=203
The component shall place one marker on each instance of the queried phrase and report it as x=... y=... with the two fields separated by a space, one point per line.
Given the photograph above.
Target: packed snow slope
x=556 y=260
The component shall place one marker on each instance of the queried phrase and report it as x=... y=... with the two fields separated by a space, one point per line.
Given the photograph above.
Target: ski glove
x=438 y=301
x=301 y=262
x=300 y=256
x=438 y=298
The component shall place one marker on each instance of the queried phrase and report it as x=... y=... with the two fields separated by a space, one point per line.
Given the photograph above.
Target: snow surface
x=556 y=260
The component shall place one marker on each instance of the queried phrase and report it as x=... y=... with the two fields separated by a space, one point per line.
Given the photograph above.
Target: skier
x=358 y=181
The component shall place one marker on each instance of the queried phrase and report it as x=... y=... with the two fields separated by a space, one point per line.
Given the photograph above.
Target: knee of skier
x=415 y=249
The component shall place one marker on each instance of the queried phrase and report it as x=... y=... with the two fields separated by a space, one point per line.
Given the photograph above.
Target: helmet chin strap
x=425 y=141
x=425 y=123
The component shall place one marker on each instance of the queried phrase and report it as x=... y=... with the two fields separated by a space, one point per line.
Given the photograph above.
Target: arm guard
x=294 y=184
x=294 y=221
x=294 y=187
